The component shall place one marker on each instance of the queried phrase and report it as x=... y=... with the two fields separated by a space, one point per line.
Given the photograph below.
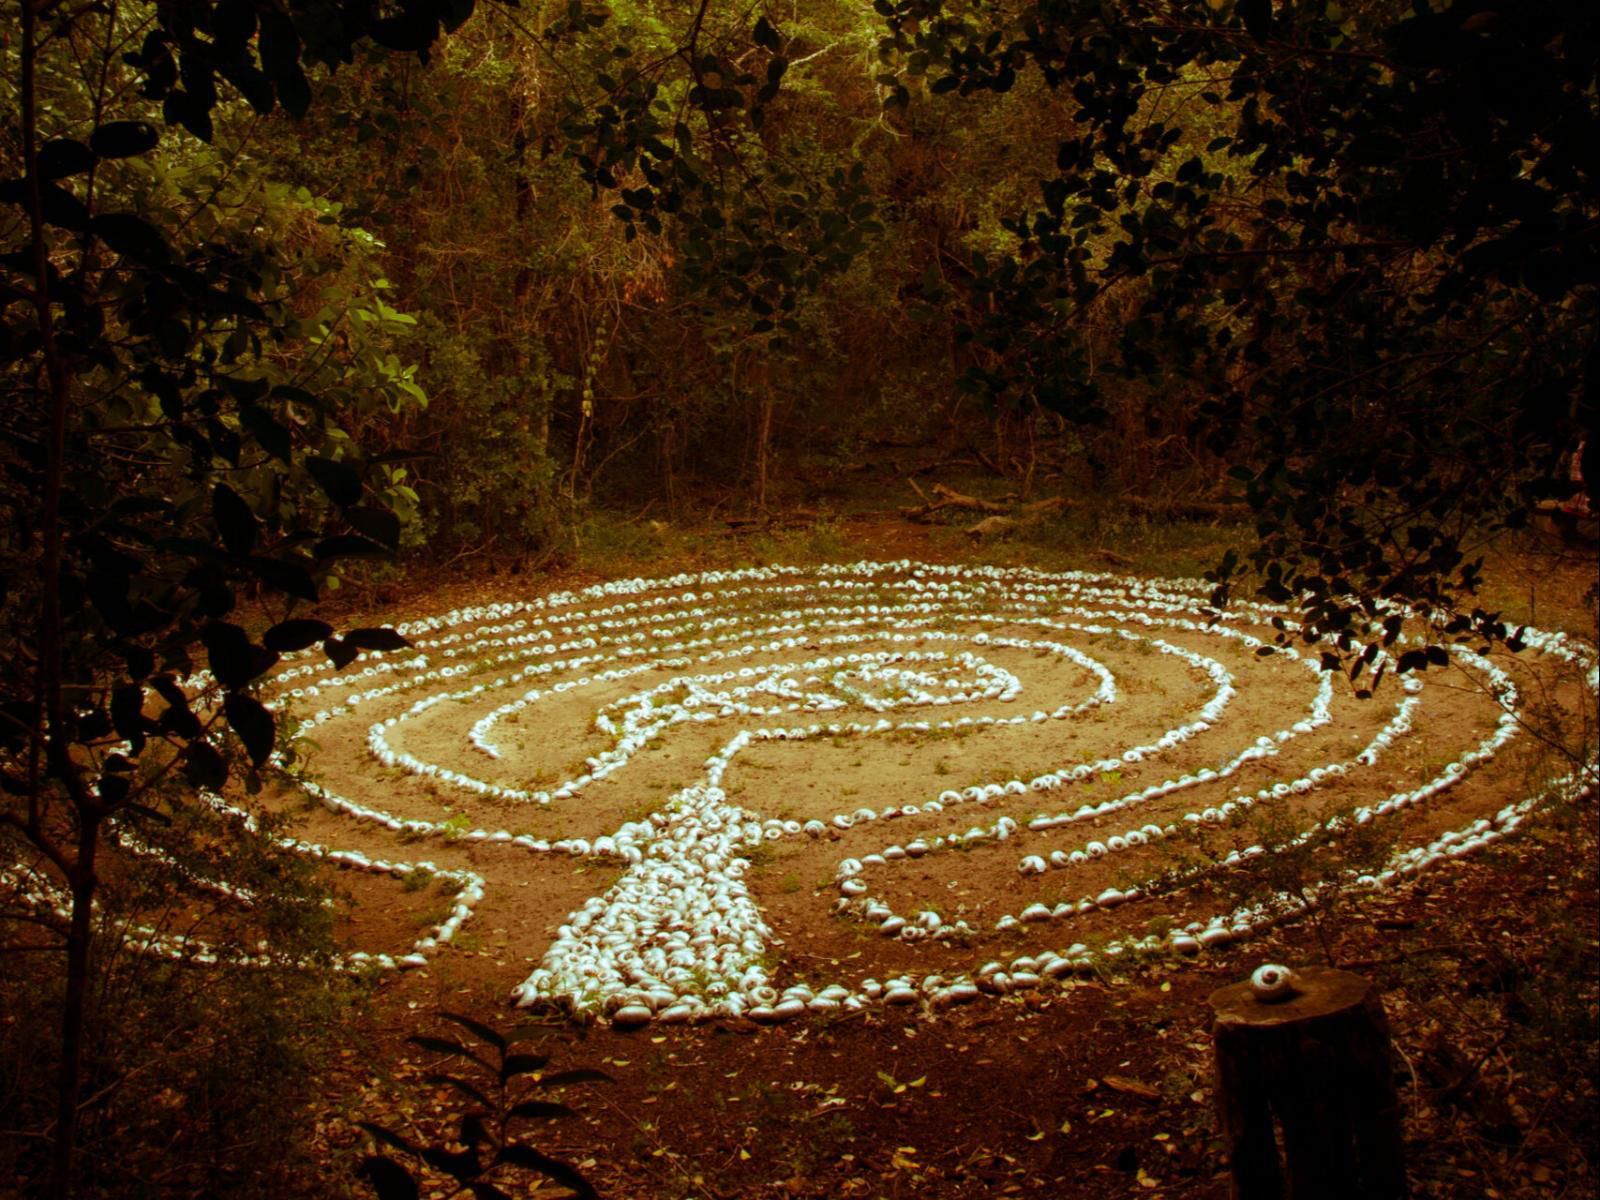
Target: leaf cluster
x=501 y=1086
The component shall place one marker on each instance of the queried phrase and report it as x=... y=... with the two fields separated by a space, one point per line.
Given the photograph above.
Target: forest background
x=289 y=290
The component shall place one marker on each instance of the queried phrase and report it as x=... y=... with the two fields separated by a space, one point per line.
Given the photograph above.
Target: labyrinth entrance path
x=788 y=792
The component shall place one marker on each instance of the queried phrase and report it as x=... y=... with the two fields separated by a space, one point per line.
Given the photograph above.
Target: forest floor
x=1489 y=972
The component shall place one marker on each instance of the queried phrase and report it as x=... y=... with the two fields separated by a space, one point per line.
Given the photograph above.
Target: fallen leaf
x=1131 y=1087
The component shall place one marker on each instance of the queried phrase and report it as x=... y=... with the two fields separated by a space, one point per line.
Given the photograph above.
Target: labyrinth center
x=784 y=790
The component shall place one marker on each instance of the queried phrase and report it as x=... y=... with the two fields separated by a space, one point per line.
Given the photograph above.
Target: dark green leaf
x=466 y=1088
x=339 y=653
x=127 y=714
x=522 y=1064
x=184 y=108
x=339 y=480
x=388 y=1178
x=113 y=789
x=268 y=431
x=454 y=13
x=61 y=157
x=288 y=574
x=380 y=638
x=278 y=42
x=552 y=1168
x=348 y=545
x=461 y=1164
x=294 y=90
x=252 y=722
x=235 y=520
x=296 y=634
x=123 y=139
x=379 y=524
x=388 y=1137
x=446 y=1046
x=132 y=237
x=234 y=660
x=486 y=1032
x=1257 y=17
x=58 y=206
x=1412 y=660
x=179 y=721
x=204 y=767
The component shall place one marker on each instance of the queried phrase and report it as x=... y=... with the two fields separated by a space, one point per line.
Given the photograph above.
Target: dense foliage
x=284 y=285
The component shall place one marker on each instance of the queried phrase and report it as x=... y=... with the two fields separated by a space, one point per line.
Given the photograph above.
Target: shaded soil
x=1091 y=1088
x=1099 y=1089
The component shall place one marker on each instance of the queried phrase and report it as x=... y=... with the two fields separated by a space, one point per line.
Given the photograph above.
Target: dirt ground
x=1096 y=1086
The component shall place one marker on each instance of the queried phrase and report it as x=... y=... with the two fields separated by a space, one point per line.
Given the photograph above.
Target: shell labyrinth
x=789 y=790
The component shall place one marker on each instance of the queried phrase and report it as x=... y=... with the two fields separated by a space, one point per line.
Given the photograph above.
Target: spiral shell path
x=784 y=791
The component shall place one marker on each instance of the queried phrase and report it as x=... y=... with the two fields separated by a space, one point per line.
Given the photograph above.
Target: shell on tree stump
x=1305 y=1091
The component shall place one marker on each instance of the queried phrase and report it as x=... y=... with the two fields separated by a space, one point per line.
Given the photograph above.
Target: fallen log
x=1008 y=513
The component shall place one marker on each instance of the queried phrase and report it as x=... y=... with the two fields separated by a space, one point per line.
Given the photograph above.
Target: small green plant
x=1304 y=873
x=499 y=1084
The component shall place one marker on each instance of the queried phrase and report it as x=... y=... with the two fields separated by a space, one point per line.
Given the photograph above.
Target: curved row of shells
x=853 y=652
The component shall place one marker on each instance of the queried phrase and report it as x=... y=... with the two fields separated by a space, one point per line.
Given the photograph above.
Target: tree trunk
x=80 y=936
x=1315 y=1071
x=49 y=728
x=763 y=441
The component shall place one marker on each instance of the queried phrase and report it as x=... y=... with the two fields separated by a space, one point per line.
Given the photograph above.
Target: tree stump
x=1317 y=1069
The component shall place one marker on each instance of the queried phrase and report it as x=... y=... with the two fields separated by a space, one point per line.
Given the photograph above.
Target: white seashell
x=1271 y=982
x=1031 y=865
x=997 y=984
x=1036 y=912
x=631 y=1016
